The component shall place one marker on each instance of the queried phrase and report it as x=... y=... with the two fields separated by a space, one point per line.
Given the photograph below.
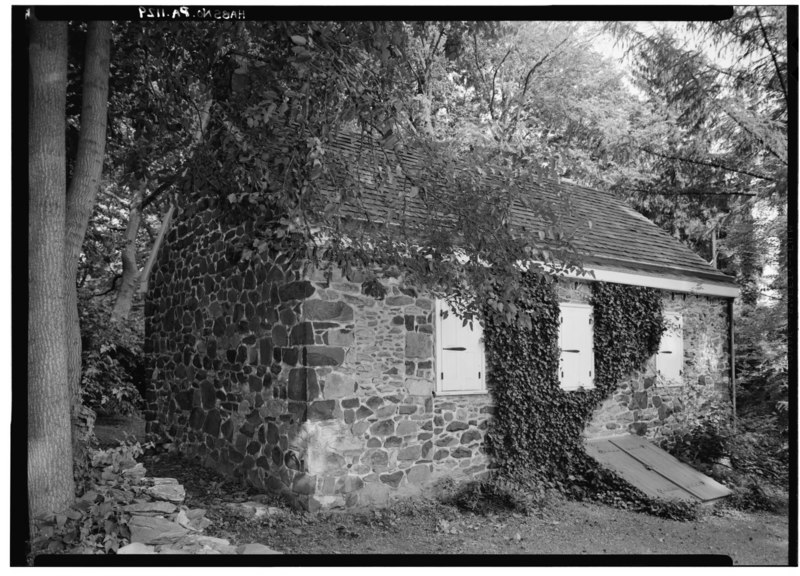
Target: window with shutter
x=460 y=361
x=575 y=338
x=669 y=360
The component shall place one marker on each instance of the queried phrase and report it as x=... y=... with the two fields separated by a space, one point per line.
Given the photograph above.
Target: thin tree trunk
x=130 y=270
x=82 y=192
x=50 y=483
x=131 y=276
x=145 y=277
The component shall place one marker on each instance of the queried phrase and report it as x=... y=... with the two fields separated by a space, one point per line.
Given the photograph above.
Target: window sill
x=462 y=393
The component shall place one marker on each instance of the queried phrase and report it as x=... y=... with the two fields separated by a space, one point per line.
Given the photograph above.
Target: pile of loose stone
x=161 y=524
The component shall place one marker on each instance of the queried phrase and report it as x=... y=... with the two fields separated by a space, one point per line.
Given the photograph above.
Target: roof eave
x=687 y=285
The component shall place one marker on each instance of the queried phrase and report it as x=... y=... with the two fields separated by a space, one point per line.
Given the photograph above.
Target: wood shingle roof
x=619 y=238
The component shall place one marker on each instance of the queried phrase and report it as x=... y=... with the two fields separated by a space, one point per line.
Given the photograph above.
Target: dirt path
x=426 y=527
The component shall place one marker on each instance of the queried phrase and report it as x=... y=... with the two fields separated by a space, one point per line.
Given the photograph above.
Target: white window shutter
x=576 y=366
x=460 y=354
x=669 y=360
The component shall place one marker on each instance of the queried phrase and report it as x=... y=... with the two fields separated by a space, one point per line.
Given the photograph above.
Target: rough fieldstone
x=409 y=452
x=265 y=350
x=360 y=427
x=338 y=385
x=302 y=334
x=455 y=426
x=304 y=484
x=137 y=548
x=427 y=448
x=184 y=399
x=301 y=382
x=461 y=453
x=446 y=441
x=327 y=311
x=382 y=428
x=470 y=436
x=295 y=291
x=393 y=442
x=386 y=411
x=406 y=428
x=154 y=530
x=212 y=423
x=374 y=402
x=418 y=345
x=418 y=387
x=363 y=412
x=321 y=410
x=255 y=548
x=440 y=454
x=146 y=508
x=399 y=300
x=324 y=356
x=196 y=418
x=273 y=434
x=379 y=458
x=350 y=403
x=392 y=479
x=351 y=484
x=344 y=338
x=279 y=335
x=418 y=474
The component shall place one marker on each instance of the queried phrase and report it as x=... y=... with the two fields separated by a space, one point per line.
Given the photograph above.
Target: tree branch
x=693 y=193
x=494 y=80
x=709 y=164
x=772 y=55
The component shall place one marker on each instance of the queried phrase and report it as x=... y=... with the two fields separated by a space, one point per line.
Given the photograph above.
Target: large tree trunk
x=130 y=270
x=50 y=483
x=83 y=188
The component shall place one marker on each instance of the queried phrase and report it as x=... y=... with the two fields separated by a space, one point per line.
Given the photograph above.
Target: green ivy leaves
x=537 y=428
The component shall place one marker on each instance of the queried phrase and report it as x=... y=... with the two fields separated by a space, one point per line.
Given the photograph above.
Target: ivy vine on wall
x=537 y=428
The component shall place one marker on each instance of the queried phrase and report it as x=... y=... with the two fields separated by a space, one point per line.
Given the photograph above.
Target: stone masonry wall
x=297 y=384
x=223 y=337
x=315 y=387
x=643 y=404
x=382 y=432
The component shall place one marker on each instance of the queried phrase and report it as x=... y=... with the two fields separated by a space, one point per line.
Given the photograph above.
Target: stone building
x=311 y=387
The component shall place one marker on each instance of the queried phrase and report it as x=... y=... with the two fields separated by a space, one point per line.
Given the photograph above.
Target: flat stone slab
x=154 y=507
x=255 y=548
x=169 y=492
x=157 y=481
x=137 y=548
x=154 y=530
x=199 y=544
x=136 y=472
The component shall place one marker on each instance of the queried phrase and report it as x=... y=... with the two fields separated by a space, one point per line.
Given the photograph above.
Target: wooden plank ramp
x=654 y=471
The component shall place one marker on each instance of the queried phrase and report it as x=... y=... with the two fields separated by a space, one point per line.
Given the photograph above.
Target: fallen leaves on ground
x=425 y=526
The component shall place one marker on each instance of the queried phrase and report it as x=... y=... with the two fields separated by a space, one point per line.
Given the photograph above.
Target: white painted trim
x=438 y=355
x=660 y=282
